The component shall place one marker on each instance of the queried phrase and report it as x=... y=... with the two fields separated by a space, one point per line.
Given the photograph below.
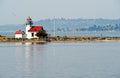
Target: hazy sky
x=16 y=11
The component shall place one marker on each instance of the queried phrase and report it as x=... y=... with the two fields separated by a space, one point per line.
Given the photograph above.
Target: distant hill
x=80 y=24
x=70 y=25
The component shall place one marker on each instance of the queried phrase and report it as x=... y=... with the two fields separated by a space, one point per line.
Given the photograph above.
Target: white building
x=31 y=30
x=19 y=34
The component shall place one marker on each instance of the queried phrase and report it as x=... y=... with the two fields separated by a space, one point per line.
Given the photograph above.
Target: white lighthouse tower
x=28 y=24
x=31 y=31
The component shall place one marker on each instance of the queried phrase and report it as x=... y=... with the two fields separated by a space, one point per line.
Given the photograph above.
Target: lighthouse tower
x=28 y=24
x=31 y=30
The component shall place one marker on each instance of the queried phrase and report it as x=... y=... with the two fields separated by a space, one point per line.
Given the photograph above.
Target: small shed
x=19 y=34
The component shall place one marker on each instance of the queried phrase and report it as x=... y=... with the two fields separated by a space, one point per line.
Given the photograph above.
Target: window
x=32 y=34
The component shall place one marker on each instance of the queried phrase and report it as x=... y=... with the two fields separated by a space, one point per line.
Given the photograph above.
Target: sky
x=16 y=11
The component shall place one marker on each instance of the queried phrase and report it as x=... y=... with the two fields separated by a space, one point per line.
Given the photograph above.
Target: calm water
x=74 y=33
x=60 y=60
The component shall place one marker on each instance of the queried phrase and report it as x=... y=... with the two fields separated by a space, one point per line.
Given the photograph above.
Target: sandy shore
x=63 y=39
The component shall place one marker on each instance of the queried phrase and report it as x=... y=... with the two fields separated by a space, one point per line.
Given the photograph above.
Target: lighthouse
x=29 y=24
x=31 y=30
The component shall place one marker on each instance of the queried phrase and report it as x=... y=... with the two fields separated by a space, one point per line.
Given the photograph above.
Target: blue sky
x=16 y=11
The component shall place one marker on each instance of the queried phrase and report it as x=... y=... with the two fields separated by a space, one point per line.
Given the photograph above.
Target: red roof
x=19 y=32
x=35 y=28
x=29 y=18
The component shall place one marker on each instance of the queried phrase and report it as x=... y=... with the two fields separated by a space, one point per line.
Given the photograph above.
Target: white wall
x=18 y=36
x=29 y=35
x=27 y=28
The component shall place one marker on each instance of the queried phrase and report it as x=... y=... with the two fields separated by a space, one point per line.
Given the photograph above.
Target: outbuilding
x=19 y=34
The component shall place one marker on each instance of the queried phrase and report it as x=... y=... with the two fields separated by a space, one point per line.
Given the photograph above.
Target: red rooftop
x=19 y=32
x=35 y=28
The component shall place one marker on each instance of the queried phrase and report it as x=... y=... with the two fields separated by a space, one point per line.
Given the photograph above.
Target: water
x=73 y=33
x=60 y=60
x=89 y=33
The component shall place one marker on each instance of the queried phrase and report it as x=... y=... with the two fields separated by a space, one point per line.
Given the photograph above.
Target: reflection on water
x=27 y=52
x=60 y=60
x=29 y=60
